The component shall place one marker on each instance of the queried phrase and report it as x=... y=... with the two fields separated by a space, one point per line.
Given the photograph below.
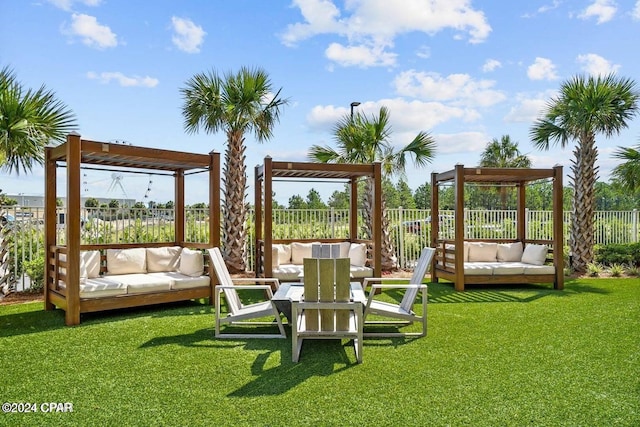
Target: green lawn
x=496 y=356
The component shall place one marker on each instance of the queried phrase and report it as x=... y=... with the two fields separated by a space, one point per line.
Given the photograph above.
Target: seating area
x=520 y=259
x=287 y=259
x=83 y=278
x=119 y=272
x=328 y=304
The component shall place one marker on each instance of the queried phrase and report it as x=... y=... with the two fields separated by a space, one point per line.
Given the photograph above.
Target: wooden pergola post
x=459 y=183
x=558 y=227
x=72 y=228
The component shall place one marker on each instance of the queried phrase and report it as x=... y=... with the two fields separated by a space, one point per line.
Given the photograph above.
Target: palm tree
x=362 y=139
x=29 y=120
x=584 y=108
x=503 y=153
x=236 y=104
x=627 y=174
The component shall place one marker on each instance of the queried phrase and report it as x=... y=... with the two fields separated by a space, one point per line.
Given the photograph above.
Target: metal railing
x=22 y=237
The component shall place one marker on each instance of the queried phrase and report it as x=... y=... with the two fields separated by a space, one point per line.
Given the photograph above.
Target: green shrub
x=633 y=271
x=618 y=254
x=594 y=269
x=35 y=269
x=616 y=270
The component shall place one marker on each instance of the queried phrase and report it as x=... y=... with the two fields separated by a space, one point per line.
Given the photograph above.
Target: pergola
x=75 y=153
x=513 y=177
x=301 y=171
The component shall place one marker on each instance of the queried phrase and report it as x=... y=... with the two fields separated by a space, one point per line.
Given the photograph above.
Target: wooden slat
x=311 y=285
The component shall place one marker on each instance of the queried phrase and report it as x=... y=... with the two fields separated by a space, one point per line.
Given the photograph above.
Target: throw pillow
x=483 y=251
x=358 y=254
x=535 y=254
x=191 y=263
x=163 y=259
x=510 y=252
x=126 y=261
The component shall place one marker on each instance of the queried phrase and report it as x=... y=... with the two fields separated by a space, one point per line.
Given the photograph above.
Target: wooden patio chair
x=403 y=311
x=238 y=312
x=326 y=310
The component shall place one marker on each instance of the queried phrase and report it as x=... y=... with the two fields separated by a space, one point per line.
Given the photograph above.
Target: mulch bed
x=20 y=297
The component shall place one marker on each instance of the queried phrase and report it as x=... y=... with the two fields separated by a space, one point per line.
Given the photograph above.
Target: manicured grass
x=525 y=355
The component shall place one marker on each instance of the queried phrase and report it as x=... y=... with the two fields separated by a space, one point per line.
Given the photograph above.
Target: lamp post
x=353 y=105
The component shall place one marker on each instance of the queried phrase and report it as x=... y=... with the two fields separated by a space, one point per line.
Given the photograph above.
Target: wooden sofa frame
x=453 y=269
x=301 y=171
x=58 y=295
x=76 y=152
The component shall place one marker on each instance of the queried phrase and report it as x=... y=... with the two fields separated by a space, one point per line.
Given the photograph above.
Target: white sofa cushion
x=359 y=272
x=288 y=272
x=344 y=249
x=508 y=268
x=144 y=283
x=191 y=262
x=180 y=281
x=483 y=251
x=126 y=261
x=539 y=269
x=478 y=268
x=535 y=254
x=163 y=259
x=510 y=252
x=300 y=251
x=284 y=253
x=89 y=264
x=102 y=287
x=358 y=254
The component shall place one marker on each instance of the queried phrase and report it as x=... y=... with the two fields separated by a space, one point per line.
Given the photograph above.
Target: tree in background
x=362 y=139
x=627 y=174
x=405 y=196
x=314 y=201
x=236 y=104
x=503 y=153
x=585 y=107
x=422 y=196
x=29 y=120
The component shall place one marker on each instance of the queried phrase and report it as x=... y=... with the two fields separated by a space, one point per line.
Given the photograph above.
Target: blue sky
x=464 y=71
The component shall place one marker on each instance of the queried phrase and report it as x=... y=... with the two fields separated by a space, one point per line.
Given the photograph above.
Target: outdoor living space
x=516 y=352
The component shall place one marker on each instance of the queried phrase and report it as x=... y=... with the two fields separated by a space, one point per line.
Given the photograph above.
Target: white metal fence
x=410 y=229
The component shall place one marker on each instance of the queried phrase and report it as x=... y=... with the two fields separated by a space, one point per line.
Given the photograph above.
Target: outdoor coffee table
x=293 y=291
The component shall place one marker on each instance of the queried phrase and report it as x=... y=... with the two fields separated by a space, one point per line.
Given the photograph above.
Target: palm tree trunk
x=234 y=209
x=389 y=260
x=585 y=175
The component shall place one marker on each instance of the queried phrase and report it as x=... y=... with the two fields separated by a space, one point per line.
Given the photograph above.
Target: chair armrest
x=236 y=287
x=366 y=280
x=273 y=280
x=407 y=286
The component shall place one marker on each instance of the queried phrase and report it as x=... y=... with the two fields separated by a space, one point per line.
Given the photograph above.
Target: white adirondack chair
x=327 y=310
x=403 y=311
x=239 y=313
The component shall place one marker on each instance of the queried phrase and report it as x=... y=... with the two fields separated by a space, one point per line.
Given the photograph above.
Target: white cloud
x=374 y=24
x=542 y=69
x=362 y=56
x=603 y=10
x=122 y=80
x=459 y=89
x=635 y=14
x=68 y=4
x=423 y=52
x=463 y=142
x=407 y=117
x=596 y=64
x=491 y=65
x=188 y=37
x=528 y=108
x=92 y=33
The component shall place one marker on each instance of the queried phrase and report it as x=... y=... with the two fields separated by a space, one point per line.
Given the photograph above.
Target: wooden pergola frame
x=264 y=175
x=517 y=177
x=76 y=152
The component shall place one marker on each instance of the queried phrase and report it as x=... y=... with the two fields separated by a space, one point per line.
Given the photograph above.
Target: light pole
x=353 y=105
